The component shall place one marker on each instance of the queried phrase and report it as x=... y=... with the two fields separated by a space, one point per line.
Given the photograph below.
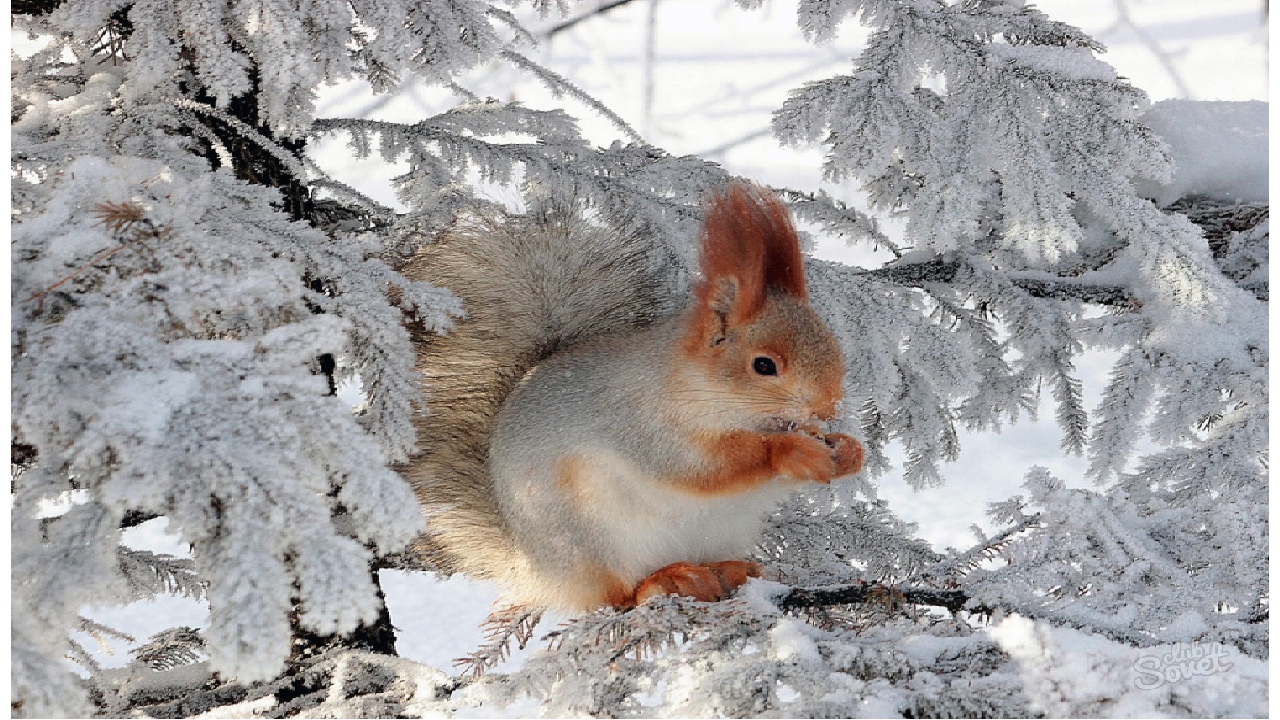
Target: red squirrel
x=591 y=447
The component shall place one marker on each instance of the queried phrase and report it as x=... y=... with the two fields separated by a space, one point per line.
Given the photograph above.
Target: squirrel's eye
x=764 y=366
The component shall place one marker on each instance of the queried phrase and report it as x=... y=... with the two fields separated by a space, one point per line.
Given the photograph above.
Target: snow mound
x=1220 y=149
x=1069 y=673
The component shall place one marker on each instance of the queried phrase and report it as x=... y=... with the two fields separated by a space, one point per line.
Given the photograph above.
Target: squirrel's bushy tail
x=530 y=285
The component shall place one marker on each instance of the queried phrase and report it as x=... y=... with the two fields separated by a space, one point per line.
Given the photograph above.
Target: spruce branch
x=945 y=272
x=838 y=218
x=171 y=648
x=522 y=34
x=964 y=563
x=560 y=86
x=128 y=223
x=101 y=633
x=286 y=158
x=503 y=626
x=149 y=574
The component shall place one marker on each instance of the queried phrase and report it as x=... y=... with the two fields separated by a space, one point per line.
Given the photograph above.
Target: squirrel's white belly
x=645 y=523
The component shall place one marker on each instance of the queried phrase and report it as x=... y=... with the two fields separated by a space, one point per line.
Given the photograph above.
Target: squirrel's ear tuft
x=783 y=263
x=748 y=238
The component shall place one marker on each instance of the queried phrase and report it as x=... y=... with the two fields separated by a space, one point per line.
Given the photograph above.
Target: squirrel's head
x=761 y=345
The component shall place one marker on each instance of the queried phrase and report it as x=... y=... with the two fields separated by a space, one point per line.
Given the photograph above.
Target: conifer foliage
x=188 y=289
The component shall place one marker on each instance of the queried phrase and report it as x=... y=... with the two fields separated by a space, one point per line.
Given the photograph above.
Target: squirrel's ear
x=732 y=289
x=783 y=264
x=749 y=247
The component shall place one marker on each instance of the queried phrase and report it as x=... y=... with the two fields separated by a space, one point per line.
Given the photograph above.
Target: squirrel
x=591 y=445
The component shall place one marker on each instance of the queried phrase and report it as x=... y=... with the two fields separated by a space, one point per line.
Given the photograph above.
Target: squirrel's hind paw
x=707 y=583
x=733 y=573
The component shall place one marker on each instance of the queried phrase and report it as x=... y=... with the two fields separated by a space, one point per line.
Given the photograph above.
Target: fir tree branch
x=837 y=217
x=506 y=624
x=967 y=561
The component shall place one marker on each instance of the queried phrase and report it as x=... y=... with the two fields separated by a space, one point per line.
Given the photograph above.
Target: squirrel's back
x=530 y=285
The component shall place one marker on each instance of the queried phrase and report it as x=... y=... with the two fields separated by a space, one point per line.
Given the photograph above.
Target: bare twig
x=1124 y=20
x=555 y=29
x=70 y=276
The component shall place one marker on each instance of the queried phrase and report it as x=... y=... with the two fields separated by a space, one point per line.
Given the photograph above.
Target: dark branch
x=1093 y=294
x=34 y=7
x=798 y=598
x=134 y=518
x=574 y=21
x=944 y=272
x=1220 y=221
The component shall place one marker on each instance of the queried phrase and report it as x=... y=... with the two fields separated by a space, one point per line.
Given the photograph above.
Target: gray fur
x=570 y=395
x=530 y=285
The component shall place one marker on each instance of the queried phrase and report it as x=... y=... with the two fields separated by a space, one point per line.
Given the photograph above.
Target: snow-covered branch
x=176 y=334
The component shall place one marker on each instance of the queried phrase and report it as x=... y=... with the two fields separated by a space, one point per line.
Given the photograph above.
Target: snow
x=1074 y=63
x=1072 y=673
x=437 y=621
x=926 y=649
x=791 y=641
x=1220 y=149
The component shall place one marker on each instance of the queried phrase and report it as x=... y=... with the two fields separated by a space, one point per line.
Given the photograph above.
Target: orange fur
x=734 y=573
x=681 y=578
x=614 y=592
x=748 y=235
x=849 y=454
x=708 y=583
x=732 y=250
x=783 y=265
x=747 y=459
x=824 y=405
x=749 y=248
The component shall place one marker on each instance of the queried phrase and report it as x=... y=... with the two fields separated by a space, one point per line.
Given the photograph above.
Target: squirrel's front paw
x=848 y=453
x=803 y=457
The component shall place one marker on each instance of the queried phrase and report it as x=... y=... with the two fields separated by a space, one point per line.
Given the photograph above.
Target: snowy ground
x=713 y=95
